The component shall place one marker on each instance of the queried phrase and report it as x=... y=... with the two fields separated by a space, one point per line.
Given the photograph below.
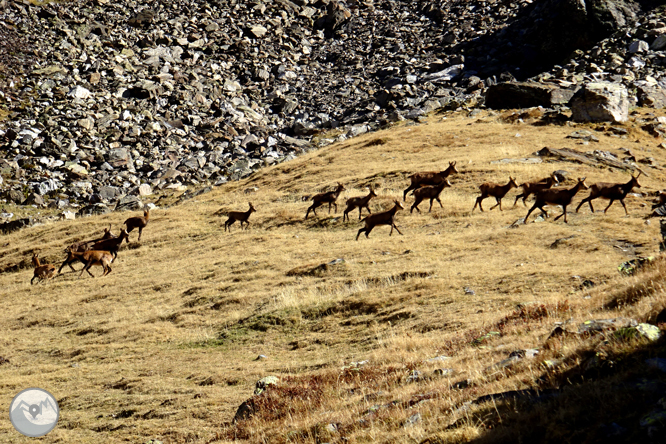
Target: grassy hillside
x=169 y=344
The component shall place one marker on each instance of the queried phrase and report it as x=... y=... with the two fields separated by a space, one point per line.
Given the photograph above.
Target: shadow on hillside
x=606 y=398
x=542 y=34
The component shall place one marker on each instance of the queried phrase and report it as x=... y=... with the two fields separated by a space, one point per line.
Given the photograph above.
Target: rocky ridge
x=111 y=100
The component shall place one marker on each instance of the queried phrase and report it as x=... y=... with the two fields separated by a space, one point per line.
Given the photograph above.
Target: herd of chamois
x=424 y=185
x=101 y=252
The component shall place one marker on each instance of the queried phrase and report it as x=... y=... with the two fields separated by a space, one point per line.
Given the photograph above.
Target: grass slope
x=166 y=347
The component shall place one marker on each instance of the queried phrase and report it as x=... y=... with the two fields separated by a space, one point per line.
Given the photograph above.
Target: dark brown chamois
x=557 y=196
x=532 y=187
x=137 y=222
x=241 y=216
x=42 y=271
x=384 y=218
x=85 y=246
x=611 y=191
x=429 y=178
x=322 y=198
x=431 y=192
x=111 y=245
x=360 y=203
x=495 y=190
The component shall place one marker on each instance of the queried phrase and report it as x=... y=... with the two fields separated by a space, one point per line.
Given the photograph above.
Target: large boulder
x=526 y=95
x=601 y=102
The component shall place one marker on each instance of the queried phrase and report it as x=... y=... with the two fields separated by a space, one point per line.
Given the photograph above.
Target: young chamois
x=360 y=203
x=557 y=196
x=85 y=246
x=241 y=216
x=611 y=191
x=431 y=192
x=45 y=271
x=533 y=187
x=496 y=190
x=384 y=218
x=94 y=257
x=137 y=222
x=429 y=178
x=322 y=198
x=110 y=245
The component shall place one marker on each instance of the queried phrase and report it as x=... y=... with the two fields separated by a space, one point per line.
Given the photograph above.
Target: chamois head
x=252 y=209
x=512 y=183
x=581 y=182
x=399 y=205
x=452 y=167
x=634 y=180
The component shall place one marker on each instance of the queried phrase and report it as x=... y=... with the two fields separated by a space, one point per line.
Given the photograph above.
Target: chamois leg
x=440 y=202
x=415 y=205
x=359 y=233
x=611 y=203
x=393 y=225
x=33 y=278
x=518 y=197
x=564 y=213
x=625 y=207
x=499 y=202
x=140 y=230
x=478 y=202
x=86 y=268
x=535 y=206
x=410 y=188
x=367 y=207
x=430 y=209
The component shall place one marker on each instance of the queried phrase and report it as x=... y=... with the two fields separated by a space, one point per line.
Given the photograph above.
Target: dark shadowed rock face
x=526 y=95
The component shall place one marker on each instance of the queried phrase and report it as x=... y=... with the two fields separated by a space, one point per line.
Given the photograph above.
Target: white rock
x=79 y=92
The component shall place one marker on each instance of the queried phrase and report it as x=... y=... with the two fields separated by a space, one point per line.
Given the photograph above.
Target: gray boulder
x=601 y=102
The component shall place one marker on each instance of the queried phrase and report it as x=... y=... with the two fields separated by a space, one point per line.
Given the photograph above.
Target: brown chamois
x=661 y=200
x=429 y=178
x=322 y=198
x=241 y=216
x=384 y=218
x=45 y=271
x=496 y=190
x=137 y=222
x=94 y=257
x=360 y=203
x=85 y=246
x=532 y=188
x=611 y=191
x=557 y=196
x=111 y=245
x=431 y=192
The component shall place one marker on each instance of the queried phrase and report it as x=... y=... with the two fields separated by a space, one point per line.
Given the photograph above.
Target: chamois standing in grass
x=533 y=187
x=429 y=178
x=611 y=191
x=495 y=190
x=94 y=257
x=85 y=246
x=322 y=198
x=42 y=271
x=557 y=196
x=360 y=203
x=384 y=218
x=431 y=192
x=137 y=222
x=241 y=216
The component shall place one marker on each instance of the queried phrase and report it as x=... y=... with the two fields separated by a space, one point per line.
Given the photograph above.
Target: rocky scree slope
x=110 y=99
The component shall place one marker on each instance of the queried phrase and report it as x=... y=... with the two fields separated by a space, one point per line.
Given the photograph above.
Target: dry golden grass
x=166 y=346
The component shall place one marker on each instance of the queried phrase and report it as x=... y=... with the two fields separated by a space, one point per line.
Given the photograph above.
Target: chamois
x=557 y=196
x=611 y=191
x=137 y=222
x=85 y=246
x=94 y=257
x=322 y=198
x=45 y=271
x=384 y=218
x=360 y=203
x=431 y=192
x=533 y=187
x=429 y=178
x=496 y=190
x=111 y=245
x=241 y=216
